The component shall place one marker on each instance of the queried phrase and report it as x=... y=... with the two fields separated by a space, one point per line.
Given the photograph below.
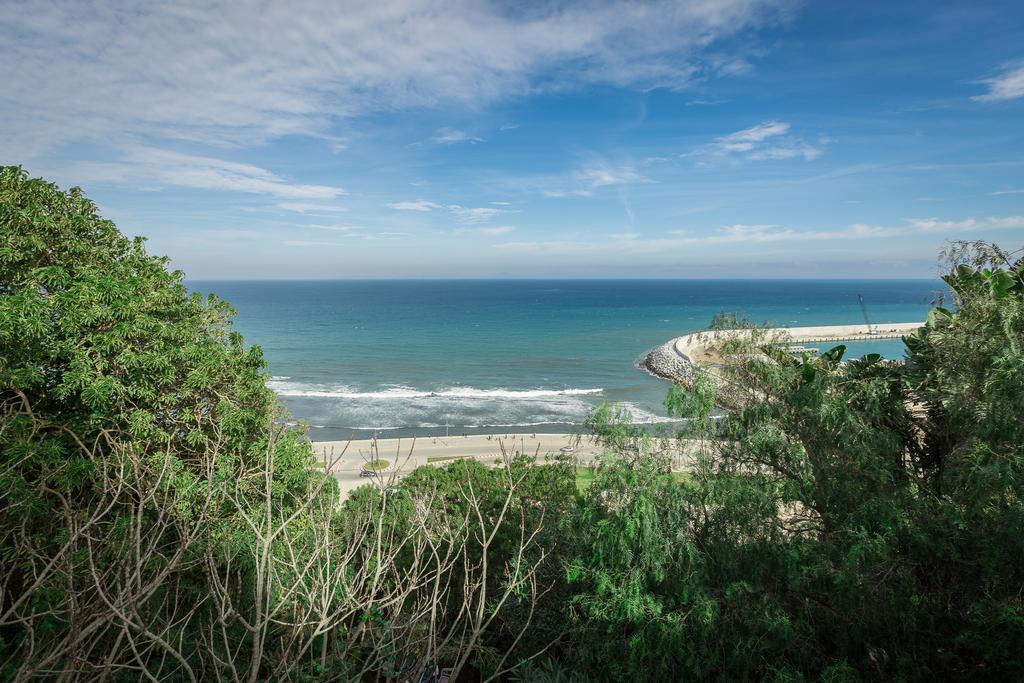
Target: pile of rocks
x=665 y=361
x=668 y=362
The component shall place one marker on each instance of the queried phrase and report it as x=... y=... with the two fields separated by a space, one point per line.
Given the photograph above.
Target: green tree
x=98 y=338
x=134 y=421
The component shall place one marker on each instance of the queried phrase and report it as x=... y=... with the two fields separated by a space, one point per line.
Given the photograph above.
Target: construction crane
x=864 y=310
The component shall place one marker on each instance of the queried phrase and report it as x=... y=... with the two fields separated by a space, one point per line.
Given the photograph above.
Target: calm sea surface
x=354 y=358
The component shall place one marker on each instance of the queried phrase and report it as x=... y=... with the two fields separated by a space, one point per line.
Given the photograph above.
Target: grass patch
x=585 y=477
x=378 y=465
x=443 y=458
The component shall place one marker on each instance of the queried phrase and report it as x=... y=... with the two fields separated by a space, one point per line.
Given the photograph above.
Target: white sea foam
x=641 y=416
x=517 y=424
x=405 y=407
x=296 y=389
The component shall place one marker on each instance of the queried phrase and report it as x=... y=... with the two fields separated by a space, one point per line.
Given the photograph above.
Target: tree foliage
x=856 y=518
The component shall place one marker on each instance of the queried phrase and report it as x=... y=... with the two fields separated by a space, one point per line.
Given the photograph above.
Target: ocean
x=354 y=359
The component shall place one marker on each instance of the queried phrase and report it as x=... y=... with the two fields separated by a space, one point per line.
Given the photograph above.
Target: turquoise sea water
x=354 y=358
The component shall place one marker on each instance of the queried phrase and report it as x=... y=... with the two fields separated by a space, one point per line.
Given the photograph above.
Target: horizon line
x=559 y=279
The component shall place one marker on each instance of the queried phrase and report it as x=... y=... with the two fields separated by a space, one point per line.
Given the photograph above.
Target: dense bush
x=136 y=431
x=858 y=519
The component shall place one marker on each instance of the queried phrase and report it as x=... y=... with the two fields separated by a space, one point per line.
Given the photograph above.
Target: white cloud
x=558 y=194
x=418 y=205
x=1009 y=85
x=1004 y=222
x=936 y=225
x=768 y=141
x=238 y=73
x=745 y=140
x=775 y=233
x=307 y=207
x=337 y=227
x=808 y=152
x=1002 y=192
x=588 y=179
x=481 y=214
x=602 y=173
x=634 y=243
x=450 y=136
x=706 y=102
x=164 y=167
x=465 y=214
x=497 y=230
x=992 y=222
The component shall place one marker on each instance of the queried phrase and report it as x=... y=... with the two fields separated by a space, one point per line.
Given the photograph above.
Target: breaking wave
x=330 y=405
x=294 y=389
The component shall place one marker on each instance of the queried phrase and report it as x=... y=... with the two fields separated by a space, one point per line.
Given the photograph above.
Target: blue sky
x=717 y=138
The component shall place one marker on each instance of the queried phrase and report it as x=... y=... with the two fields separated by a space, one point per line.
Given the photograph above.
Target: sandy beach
x=405 y=455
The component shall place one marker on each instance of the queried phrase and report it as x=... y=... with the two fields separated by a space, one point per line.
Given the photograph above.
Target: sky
x=470 y=139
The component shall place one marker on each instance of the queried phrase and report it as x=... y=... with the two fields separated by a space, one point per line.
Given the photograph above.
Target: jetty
x=680 y=358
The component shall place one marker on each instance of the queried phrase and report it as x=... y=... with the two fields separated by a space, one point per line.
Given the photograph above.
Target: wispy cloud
x=803 y=150
x=418 y=205
x=337 y=227
x=1008 y=85
x=308 y=207
x=746 y=140
x=490 y=231
x=1002 y=192
x=589 y=178
x=992 y=222
x=768 y=141
x=481 y=214
x=496 y=230
x=559 y=194
x=300 y=67
x=465 y=214
x=603 y=173
x=633 y=243
x=450 y=136
x=149 y=166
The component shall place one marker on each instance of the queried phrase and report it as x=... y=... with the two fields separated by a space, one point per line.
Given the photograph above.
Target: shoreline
x=422 y=434
x=406 y=454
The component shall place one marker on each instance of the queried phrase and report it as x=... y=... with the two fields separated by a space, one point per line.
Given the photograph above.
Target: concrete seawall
x=681 y=358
